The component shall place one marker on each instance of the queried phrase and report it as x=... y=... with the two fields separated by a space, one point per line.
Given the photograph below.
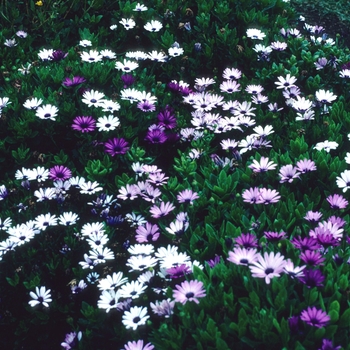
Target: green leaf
x=13 y=281
x=345 y=319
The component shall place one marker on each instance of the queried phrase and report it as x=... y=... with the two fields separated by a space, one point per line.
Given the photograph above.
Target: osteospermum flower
x=32 y=103
x=107 y=123
x=60 y=172
x=288 y=173
x=77 y=80
x=324 y=96
x=326 y=145
x=135 y=317
x=71 y=340
x=268 y=196
x=189 y=291
x=47 y=112
x=343 y=181
x=337 y=201
x=315 y=317
x=153 y=26
x=285 y=83
x=187 y=196
x=255 y=34
x=263 y=165
x=93 y=98
x=42 y=296
x=128 y=23
x=91 y=56
x=84 y=124
x=116 y=146
x=133 y=345
x=108 y=300
x=242 y=256
x=126 y=66
x=268 y=266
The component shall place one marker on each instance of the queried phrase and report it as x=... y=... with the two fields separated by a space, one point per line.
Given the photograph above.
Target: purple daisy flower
x=156 y=136
x=312 y=278
x=275 y=236
x=294 y=324
x=305 y=165
x=327 y=240
x=147 y=233
x=133 y=345
x=187 y=196
x=178 y=271
x=116 y=146
x=67 y=82
x=163 y=210
x=213 y=262
x=337 y=201
x=246 y=240
x=84 y=124
x=58 y=55
x=306 y=243
x=128 y=80
x=189 y=291
x=312 y=257
x=146 y=106
x=315 y=317
x=167 y=119
x=268 y=196
x=313 y=216
x=328 y=345
x=60 y=172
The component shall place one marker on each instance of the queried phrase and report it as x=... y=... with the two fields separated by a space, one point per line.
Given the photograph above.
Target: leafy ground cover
x=174 y=175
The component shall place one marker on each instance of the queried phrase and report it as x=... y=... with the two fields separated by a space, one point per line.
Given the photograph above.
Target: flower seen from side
x=133 y=345
x=47 y=112
x=256 y=34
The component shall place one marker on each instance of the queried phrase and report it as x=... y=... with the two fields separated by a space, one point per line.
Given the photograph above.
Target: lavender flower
x=77 y=80
x=315 y=317
x=189 y=291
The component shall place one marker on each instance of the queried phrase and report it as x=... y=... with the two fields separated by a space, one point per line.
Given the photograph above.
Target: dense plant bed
x=174 y=175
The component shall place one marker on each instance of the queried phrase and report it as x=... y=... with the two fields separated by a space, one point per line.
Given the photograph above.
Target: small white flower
x=326 y=145
x=42 y=296
x=85 y=43
x=255 y=34
x=153 y=26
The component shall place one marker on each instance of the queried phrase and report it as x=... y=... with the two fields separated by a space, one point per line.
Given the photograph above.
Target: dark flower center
x=40 y=299
x=100 y=257
x=93 y=100
x=244 y=261
x=269 y=270
x=47 y=115
x=108 y=125
x=136 y=319
x=189 y=295
x=112 y=302
x=133 y=293
x=142 y=266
